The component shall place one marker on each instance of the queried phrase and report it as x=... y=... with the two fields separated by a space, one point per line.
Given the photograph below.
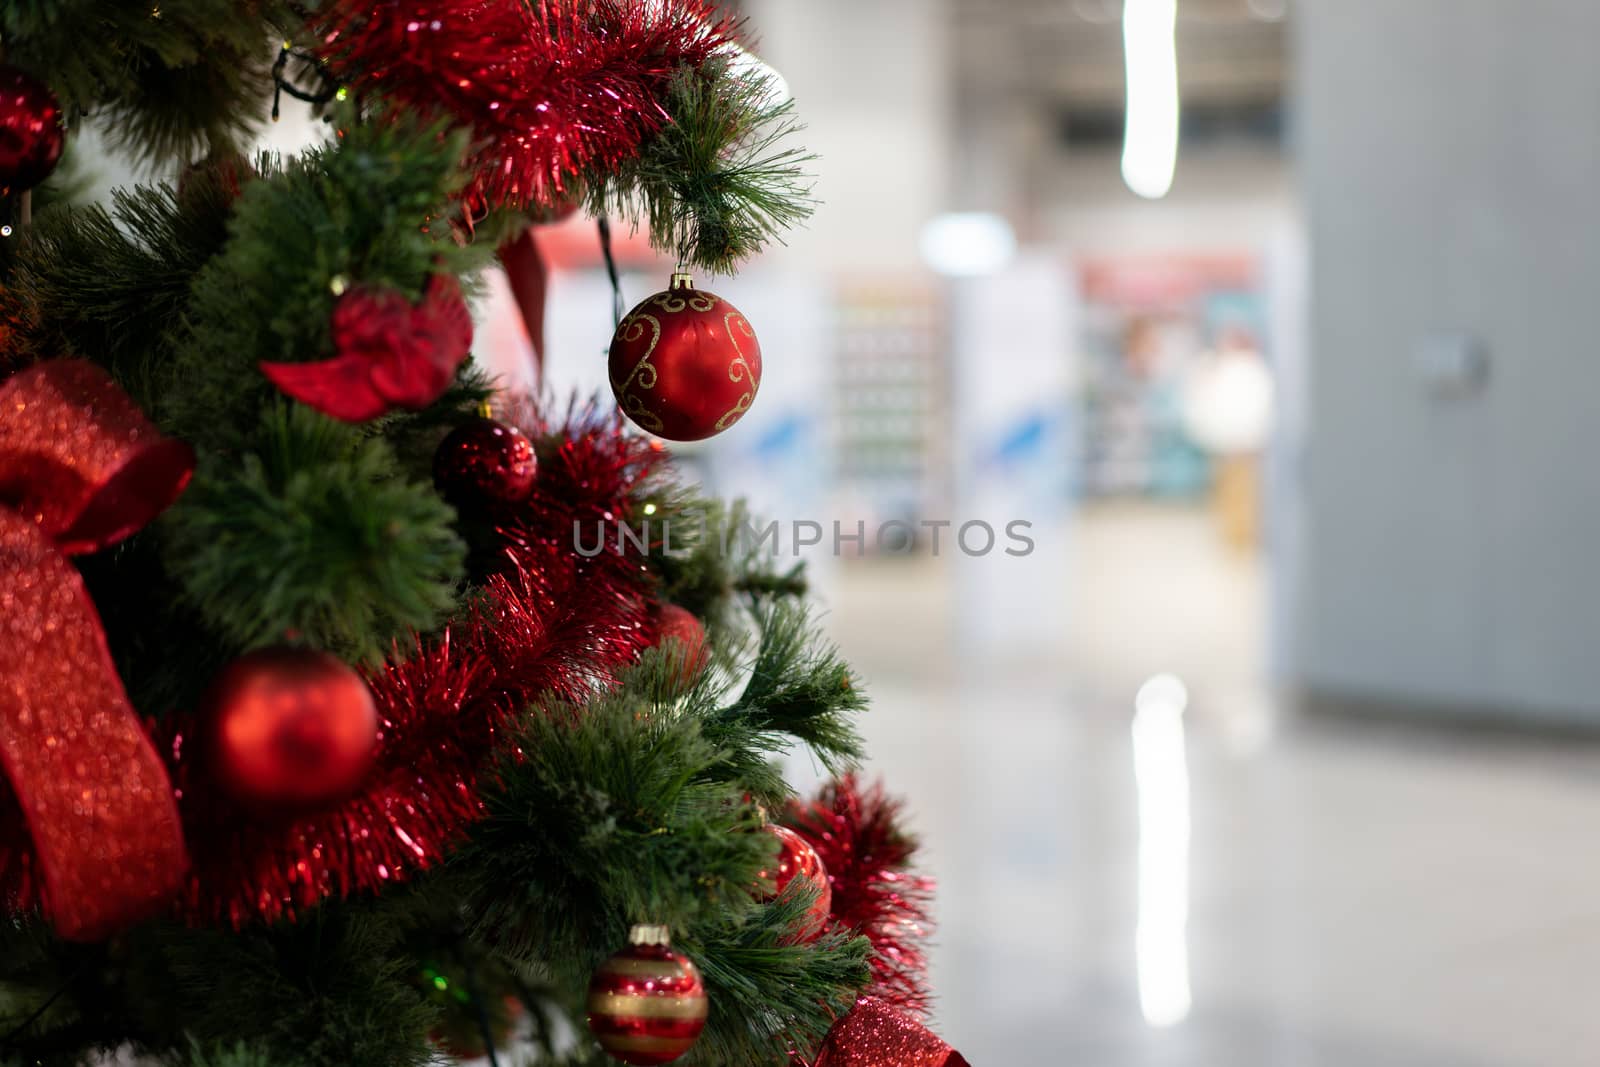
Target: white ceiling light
x=1161 y=772
x=1150 y=144
x=967 y=244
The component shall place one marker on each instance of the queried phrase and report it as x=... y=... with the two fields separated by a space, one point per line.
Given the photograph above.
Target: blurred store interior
x=1272 y=321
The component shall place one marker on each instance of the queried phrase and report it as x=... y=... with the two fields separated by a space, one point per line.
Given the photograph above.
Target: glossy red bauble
x=484 y=461
x=31 y=136
x=681 y=627
x=290 y=729
x=647 y=1004
x=797 y=859
x=685 y=364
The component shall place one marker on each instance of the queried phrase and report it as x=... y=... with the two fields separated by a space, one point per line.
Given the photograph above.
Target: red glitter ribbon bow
x=872 y=1034
x=80 y=468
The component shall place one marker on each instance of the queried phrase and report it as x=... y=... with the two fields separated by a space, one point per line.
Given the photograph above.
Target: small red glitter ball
x=290 y=729
x=647 y=1004
x=484 y=461
x=31 y=135
x=675 y=624
x=685 y=364
x=797 y=859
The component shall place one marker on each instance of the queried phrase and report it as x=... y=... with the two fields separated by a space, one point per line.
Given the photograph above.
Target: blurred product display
x=891 y=401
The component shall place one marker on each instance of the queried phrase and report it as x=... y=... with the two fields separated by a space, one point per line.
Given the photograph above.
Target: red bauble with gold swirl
x=647 y=1004
x=685 y=364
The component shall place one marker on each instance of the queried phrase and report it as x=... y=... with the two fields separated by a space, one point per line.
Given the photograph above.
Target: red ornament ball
x=290 y=729
x=647 y=1004
x=484 y=461
x=222 y=174
x=685 y=364
x=31 y=135
x=675 y=624
x=797 y=859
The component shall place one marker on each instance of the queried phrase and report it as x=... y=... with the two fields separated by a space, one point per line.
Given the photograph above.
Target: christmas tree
x=356 y=712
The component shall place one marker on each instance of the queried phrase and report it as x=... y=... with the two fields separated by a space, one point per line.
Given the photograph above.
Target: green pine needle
x=716 y=184
x=316 y=537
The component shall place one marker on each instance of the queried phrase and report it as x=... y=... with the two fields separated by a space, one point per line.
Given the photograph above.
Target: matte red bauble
x=484 y=461
x=647 y=1004
x=290 y=729
x=797 y=859
x=31 y=135
x=675 y=624
x=685 y=364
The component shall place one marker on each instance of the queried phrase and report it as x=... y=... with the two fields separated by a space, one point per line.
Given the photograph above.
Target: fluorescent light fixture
x=968 y=244
x=1150 y=145
x=1161 y=771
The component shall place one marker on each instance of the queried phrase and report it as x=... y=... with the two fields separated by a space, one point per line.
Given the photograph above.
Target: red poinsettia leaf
x=425 y=347
x=340 y=387
x=391 y=354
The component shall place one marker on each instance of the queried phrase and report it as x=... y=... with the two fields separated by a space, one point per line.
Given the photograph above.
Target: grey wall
x=1450 y=153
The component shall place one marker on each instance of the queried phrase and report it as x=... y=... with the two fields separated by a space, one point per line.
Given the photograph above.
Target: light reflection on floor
x=1358 y=894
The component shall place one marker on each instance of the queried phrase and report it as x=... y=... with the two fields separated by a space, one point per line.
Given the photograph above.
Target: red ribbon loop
x=529 y=276
x=80 y=468
x=873 y=1034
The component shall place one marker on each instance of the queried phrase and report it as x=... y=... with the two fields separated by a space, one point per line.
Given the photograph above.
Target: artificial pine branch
x=612 y=815
x=798 y=690
x=713 y=550
x=370 y=209
x=770 y=992
x=315 y=534
x=333 y=989
x=633 y=809
x=112 y=285
x=717 y=183
x=167 y=82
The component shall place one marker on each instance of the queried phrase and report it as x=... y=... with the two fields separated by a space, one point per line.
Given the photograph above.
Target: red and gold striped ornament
x=685 y=363
x=647 y=1004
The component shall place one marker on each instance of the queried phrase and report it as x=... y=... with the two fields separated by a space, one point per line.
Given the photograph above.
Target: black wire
x=281 y=84
x=617 y=307
x=479 y=1008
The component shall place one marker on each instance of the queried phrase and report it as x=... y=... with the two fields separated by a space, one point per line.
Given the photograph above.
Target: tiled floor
x=1312 y=893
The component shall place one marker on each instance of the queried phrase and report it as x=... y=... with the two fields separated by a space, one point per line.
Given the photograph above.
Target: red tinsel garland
x=551 y=621
x=857 y=832
x=547 y=87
